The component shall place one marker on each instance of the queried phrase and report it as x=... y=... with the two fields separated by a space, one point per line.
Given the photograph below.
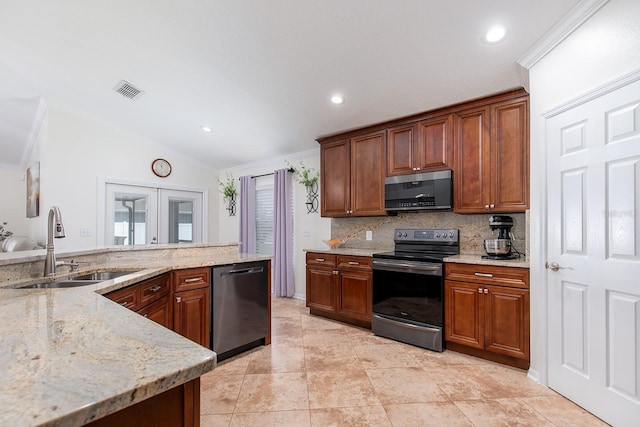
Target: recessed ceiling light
x=337 y=99
x=206 y=128
x=495 y=34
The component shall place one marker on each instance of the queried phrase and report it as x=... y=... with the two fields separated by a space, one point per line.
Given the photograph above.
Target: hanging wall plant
x=229 y=192
x=309 y=178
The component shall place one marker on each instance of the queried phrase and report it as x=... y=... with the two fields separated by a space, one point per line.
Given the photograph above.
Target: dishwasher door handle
x=244 y=271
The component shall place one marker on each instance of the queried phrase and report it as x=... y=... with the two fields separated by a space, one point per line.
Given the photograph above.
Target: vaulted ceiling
x=259 y=73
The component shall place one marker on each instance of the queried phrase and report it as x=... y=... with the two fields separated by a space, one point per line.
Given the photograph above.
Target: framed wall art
x=33 y=190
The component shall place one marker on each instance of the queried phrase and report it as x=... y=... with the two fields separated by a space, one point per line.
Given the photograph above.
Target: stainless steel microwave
x=421 y=191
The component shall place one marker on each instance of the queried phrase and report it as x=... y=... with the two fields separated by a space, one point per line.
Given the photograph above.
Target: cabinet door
x=510 y=155
x=400 y=142
x=354 y=294
x=472 y=153
x=335 y=200
x=368 y=164
x=463 y=314
x=159 y=312
x=321 y=288
x=192 y=315
x=507 y=321
x=434 y=145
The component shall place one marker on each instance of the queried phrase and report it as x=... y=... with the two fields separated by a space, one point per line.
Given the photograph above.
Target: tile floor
x=318 y=372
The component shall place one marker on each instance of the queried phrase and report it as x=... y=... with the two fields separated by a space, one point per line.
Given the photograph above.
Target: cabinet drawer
x=314 y=258
x=191 y=278
x=154 y=289
x=126 y=297
x=159 y=312
x=354 y=262
x=514 y=277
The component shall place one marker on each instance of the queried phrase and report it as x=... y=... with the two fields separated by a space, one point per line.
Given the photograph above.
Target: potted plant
x=228 y=191
x=309 y=178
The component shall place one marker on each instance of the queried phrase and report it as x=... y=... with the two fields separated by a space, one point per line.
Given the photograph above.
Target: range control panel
x=425 y=235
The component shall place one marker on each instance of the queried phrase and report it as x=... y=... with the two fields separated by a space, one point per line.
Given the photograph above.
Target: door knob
x=553 y=266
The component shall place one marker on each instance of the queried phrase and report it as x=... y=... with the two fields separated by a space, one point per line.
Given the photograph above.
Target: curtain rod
x=267 y=174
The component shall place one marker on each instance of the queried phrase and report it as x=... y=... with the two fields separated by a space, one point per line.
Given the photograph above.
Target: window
x=264 y=219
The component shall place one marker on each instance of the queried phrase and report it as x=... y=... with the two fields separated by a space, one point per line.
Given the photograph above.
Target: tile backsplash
x=473 y=229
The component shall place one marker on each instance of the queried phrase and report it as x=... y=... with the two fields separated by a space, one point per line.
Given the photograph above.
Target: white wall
x=605 y=47
x=75 y=152
x=316 y=227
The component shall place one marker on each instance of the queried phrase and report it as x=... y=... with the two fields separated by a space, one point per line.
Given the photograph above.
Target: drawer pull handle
x=354 y=263
x=146 y=315
x=320 y=259
x=156 y=288
x=483 y=274
x=124 y=304
x=195 y=279
x=479 y=290
x=486 y=291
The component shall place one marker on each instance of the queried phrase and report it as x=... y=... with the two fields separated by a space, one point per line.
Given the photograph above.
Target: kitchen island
x=71 y=356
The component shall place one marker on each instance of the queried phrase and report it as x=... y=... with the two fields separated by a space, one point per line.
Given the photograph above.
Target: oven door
x=408 y=302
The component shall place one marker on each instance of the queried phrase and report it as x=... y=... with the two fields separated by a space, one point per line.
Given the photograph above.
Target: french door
x=140 y=215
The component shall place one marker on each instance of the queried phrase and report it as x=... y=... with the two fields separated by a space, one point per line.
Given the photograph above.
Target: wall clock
x=161 y=168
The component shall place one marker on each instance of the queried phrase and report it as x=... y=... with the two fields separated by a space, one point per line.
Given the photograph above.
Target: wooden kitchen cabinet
x=492 y=158
x=422 y=146
x=339 y=287
x=352 y=178
x=149 y=298
x=487 y=312
x=192 y=304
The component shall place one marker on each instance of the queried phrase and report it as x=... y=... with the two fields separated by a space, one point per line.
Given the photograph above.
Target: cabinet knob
x=146 y=315
x=178 y=299
x=479 y=290
x=486 y=291
x=335 y=271
x=492 y=206
x=486 y=206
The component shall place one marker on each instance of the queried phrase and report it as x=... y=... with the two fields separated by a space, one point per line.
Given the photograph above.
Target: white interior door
x=593 y=195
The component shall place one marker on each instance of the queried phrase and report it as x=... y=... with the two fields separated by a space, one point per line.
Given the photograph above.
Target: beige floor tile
x=426 y=414
x=331 y=358
x=218 y=394
x=215 y=420
x=337 y=389
x=365 y=337
x=285 y=326
x=287 y=341
x=273 y=359
x=324 y=337
x=469 y=382
x=502 y=412
x=379 y=356
x=296 y=418
x=322 y=323
x=236 y=365
x=370 y=416
x=405 y=385
x=563 y=412
x=433 y=358
x=515 y=380
x=273 y=392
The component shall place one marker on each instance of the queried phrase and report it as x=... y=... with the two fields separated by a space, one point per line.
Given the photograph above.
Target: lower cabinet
x=487 y=312
x=149 y=298
x=192 y=304
x=177 y=407
x=339 y=287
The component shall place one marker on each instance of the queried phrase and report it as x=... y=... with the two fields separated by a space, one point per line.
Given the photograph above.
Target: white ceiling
x=259 y=73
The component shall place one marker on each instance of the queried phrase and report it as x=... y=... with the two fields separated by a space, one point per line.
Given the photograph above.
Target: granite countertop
x=68 y=356
x=463 y=259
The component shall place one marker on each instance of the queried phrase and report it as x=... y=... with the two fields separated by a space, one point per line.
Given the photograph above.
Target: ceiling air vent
x=128 y=90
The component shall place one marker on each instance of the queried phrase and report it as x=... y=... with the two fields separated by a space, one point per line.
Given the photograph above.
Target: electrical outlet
x=85 y=232
x=306 y=232
x=369 y=235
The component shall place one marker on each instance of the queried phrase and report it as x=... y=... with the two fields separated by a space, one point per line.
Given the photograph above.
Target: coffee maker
x=501 y=247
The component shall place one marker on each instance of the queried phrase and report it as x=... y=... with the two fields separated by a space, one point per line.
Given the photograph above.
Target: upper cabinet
x=421 y=146
x=492 y=158
x=484 y=141
x=352 y=176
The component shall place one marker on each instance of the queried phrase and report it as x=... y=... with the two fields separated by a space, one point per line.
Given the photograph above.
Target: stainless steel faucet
x=54 y=229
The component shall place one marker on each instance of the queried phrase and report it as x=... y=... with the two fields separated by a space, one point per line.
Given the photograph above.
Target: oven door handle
x=434 y=270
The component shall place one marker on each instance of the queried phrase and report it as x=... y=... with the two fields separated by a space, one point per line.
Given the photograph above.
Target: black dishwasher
x=239 y=309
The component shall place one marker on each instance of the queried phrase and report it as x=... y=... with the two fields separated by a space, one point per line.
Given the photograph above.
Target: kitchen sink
x=71 y=283
x=103 y=275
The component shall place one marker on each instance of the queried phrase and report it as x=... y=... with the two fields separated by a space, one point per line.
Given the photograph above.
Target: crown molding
x=560 y=31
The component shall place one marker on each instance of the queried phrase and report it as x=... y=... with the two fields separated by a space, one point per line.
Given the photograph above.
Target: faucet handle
x=73 y=265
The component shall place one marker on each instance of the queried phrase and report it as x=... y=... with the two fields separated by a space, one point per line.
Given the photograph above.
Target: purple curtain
x=247 y=214
x=282 y=234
